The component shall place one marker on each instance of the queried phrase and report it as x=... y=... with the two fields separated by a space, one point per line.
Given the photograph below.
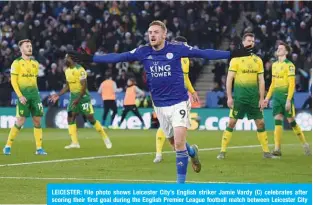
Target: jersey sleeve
x=233 y=65
x=15 y=68
x=210 y=54
x=82 y=74
x=291 y=69
x=133 y=55
x=291 y=80
x=261 y=67
x=14 y=78
x=100 y=88
x=139 y=91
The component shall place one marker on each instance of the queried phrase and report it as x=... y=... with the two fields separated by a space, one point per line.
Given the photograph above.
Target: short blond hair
x=158 y=23
x=20 y=43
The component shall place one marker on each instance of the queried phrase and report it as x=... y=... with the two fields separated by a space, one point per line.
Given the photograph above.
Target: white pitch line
x=118 y=180
x=116 y=156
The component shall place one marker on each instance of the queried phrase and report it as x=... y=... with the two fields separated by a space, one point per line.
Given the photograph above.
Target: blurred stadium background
x=102 y=27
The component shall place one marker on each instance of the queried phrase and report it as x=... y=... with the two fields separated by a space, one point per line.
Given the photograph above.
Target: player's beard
x=156 y=44
x=152 y=44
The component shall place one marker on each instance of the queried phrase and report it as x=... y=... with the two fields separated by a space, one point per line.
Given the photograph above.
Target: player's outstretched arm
x=211 y=54
x=53 y=98
x=108 y=58
x=64 y=90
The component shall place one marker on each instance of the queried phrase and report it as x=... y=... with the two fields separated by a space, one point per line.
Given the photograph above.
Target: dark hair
x=287 y=47
x=133 y=80
x=107 y=76
x=181 y=39
x=247 y=34
x=20 y=43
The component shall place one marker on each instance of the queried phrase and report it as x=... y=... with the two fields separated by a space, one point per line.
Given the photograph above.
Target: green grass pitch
x=130 y=161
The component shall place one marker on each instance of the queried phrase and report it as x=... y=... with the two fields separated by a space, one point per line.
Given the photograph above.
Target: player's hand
x=265 y=103
x=23 y=100
x=195 y=97
x=75 y=102
x=80 y=57
x=261 y=104
x=230 y=103
x=53 y=98
x=241 y=52
x=288 y=105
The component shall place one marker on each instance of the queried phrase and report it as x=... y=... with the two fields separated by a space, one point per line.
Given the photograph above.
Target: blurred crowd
x=102 y=27
x=281 y=21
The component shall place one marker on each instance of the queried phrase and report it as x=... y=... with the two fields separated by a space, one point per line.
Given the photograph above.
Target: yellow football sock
x=160 y=139
x=38 y=136
x=262 y=136
x=100 y=129
x=72 y=130
x=13 y=133
x=297 y=130
x=228 y=133
x=278 y=132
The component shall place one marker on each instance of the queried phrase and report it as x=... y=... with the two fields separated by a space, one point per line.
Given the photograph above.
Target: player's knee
x=37 y=121
x=172 y=142
x=279 y=117
x=260 y=124
x=91 y=119
x=179 y=143
x=290 y=119
x=180 y=138
x=70 y=120
x=36 y=124
x=232 y=123
x=20 y=121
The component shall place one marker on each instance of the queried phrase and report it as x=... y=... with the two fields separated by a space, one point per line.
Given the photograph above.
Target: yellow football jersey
x=73 y=77
x=280 y=73
x=246 y=87
x=27 y=73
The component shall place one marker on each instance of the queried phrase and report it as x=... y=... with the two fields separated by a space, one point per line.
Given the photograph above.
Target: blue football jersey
x=164 y=73
x=163 y=68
